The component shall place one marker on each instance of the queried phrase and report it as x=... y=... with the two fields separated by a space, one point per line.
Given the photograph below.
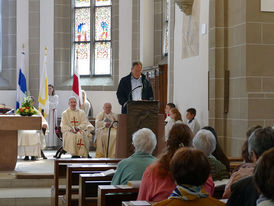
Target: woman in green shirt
x=132 y=168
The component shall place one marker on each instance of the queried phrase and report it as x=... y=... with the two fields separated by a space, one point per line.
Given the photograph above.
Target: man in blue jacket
x=134 y=86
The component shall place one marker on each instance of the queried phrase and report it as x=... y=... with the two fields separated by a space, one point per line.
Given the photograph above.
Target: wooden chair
x=60 y=169
x=114 y=195
x=58 y=132
x=88 y=188
x=73 y=172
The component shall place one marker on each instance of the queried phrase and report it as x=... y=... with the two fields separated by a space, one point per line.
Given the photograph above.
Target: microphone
x=10 y=111
x=109 y=129
x=128 y=97
x=134 y=90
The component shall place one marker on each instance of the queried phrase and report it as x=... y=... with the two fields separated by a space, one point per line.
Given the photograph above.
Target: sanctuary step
x=25 y=196
x=30 y=183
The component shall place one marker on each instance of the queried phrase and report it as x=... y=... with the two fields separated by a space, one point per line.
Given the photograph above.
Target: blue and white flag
x=21 y=83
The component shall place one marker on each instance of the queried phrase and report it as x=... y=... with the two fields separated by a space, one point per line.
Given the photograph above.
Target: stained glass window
x=165 y=27
x=102 y=57
x=82 y=51
x=92 y=36
x=103 y=23
x=0 y=36
x=165 y=47
x=82 y=3
x=82 y=24
x=103 y=2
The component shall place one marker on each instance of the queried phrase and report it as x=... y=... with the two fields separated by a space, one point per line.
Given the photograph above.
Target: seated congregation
x=187 y=172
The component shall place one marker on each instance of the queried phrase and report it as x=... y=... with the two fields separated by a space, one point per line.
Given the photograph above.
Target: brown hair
x=190 y=166
x=192 y=111
x=180 y=135
x=139 y=63
x=245 y=154
x=171 y=105
x=53 y=90
x=178 y=114
x=264 y=174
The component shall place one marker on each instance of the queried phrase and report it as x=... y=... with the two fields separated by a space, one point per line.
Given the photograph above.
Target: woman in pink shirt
x=157 y=183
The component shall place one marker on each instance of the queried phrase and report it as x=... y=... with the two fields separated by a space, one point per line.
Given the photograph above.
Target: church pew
x=133 y=203
x=235 y=162
x=60 y=167
x=74 y=170
x=115 y=195
x=88 y=188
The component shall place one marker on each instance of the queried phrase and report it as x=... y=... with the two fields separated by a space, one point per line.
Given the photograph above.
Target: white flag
x=43 y=98
x=76 y=86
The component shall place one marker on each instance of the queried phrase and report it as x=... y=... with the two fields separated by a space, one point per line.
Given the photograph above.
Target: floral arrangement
x=26 y=109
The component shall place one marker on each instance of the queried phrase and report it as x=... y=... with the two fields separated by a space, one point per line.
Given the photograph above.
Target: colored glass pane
x=103 y=2
x=83 y=50
x=102 y=23
x=165 y=48
x=167 y=10
x=82 y=24
x=102 y=58
x=82 y=3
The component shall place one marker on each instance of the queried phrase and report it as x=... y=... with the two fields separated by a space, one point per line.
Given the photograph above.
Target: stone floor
x=36 y=192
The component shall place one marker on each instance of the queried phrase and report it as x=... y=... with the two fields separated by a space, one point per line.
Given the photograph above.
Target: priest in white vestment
x=31 y=142
x=51 y=138
x=76 y=130
x=102 y=125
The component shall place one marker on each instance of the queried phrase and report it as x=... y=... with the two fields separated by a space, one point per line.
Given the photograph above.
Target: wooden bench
x=60 y=170
x=235 y=162
x=88 y=188
x=73 y=172
x=115 y=195
x=133 y=203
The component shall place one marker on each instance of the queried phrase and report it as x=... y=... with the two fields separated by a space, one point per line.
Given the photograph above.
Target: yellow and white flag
x=43 y=98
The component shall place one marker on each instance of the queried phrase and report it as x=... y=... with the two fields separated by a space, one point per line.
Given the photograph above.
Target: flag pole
x=46 y=51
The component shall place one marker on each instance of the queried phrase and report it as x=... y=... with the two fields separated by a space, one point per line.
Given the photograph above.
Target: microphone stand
x=128 y=97
x=109 y=136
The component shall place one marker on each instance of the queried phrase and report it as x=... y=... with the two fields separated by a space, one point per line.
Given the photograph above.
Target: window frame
x=165 y=25
x=1 y=38
x=92 y=40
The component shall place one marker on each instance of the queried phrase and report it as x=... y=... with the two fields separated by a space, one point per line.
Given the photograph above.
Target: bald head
x=107 y=108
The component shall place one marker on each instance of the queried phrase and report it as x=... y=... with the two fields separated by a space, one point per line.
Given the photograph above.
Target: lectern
x=141 y=114
x=9 y=126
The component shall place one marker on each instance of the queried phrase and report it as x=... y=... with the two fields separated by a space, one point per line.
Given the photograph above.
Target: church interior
x=81 y=79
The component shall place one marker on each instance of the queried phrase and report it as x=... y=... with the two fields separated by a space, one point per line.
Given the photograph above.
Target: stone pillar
x=241 y=42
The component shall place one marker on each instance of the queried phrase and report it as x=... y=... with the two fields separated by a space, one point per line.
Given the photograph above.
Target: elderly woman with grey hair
x=205 y=141
x=132 y=168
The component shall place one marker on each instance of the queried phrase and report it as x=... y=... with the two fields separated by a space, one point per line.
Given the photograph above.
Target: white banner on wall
x=267 y=5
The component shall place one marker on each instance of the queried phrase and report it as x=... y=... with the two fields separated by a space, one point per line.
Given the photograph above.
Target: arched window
x=0 y=36
x=92 y=38
x=165 y=27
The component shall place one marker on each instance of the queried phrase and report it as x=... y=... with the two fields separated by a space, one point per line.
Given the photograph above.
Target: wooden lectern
x=9 y=126
x=141 y=114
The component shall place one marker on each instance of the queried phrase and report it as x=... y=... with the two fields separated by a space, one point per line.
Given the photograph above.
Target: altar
x=9 y=126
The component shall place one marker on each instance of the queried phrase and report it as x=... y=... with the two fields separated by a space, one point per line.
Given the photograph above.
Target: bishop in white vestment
x=102 y=124
x=76 y=130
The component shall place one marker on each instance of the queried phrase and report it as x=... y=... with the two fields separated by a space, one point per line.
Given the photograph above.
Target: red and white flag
x=76 y=86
